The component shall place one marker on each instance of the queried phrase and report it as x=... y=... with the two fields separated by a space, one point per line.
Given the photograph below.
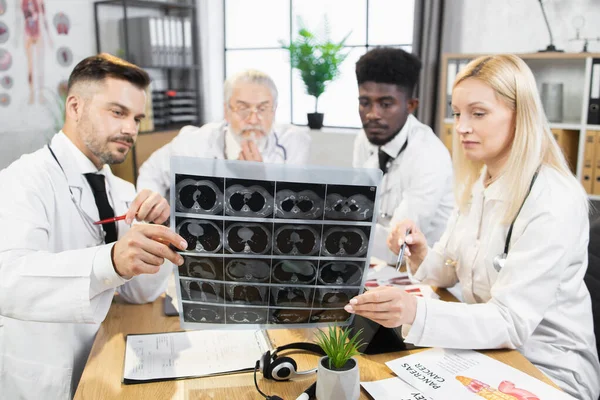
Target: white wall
x=517 y=26
x=24 y=127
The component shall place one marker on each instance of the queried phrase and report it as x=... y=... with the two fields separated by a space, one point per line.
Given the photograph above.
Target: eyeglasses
x=244 y=112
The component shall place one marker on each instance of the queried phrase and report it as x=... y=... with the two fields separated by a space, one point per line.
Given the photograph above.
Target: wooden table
x=104 y=369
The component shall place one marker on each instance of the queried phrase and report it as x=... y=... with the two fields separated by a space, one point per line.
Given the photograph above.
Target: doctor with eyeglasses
x=248 y=133
x=517 y=241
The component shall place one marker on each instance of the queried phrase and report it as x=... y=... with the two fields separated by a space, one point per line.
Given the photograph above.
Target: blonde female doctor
x=517 y=241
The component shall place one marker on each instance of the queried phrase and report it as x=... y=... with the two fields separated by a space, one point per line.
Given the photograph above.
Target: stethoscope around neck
x=95 y=230
x=499 y=260
x=277 y=144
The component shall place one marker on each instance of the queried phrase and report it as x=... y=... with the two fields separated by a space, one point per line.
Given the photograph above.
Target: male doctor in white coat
x=417 y=169
x=248 y=133
x=59 y=271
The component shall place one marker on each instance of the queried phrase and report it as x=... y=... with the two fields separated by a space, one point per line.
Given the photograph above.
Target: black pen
x=309 y=393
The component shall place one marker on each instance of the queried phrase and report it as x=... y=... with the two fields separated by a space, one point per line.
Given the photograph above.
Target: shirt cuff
x=104 y=277
x=432 y=260
x=412 y=333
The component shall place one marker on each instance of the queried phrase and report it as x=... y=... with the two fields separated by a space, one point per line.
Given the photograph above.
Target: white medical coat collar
x=393 y=147
x=495 y=191
x=74 y=164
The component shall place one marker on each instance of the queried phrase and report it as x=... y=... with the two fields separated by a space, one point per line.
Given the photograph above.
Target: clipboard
x=156 y=357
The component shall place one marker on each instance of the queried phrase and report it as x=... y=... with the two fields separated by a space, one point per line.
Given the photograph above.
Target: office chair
x=592 y=276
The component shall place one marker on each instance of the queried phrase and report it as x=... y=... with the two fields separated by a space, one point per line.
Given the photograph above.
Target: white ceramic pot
x=337 y=385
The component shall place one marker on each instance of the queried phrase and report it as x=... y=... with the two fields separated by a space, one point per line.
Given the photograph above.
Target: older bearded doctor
x=247 y=133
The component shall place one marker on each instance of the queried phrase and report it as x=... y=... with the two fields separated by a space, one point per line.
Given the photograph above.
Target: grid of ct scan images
x=270 y=252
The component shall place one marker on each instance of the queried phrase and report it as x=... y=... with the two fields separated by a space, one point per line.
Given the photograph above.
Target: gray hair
x=250 y=76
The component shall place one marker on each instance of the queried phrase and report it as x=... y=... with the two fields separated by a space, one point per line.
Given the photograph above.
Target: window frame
x=367 y=46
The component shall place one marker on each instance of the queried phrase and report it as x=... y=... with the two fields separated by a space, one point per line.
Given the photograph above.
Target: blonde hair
x=533 y=144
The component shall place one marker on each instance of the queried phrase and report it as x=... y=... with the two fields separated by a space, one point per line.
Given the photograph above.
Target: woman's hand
x=416 y=244
x=388 y=306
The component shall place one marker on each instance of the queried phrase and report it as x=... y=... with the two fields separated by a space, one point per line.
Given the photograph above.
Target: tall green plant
x=317 y=59
x=339 y=346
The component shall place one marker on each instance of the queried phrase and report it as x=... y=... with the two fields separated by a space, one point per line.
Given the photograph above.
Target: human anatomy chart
x=270 y=245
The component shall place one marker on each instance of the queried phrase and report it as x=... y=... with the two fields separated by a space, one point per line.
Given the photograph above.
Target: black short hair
x=389 y=65
x=99 y=67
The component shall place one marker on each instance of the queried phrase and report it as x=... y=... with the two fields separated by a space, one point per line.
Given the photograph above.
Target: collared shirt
x=417 y=185
x=86 y=166
x=537 y=302
x=287 y=144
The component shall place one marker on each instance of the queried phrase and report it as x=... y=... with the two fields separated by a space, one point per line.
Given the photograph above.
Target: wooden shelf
x=530 y=56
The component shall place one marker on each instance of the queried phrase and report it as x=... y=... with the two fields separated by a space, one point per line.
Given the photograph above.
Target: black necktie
x=383 y=160
x=104 y=209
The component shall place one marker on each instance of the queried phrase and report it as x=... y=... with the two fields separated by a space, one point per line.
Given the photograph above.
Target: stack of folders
x=174 y=107
x=593 y=117
x=454 y=67
x=590 y=173
x=158 y=41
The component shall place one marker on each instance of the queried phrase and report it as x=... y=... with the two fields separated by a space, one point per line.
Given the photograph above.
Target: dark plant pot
x=315 y=120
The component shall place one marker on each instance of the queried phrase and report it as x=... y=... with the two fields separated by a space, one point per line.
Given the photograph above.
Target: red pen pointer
x=109 y=220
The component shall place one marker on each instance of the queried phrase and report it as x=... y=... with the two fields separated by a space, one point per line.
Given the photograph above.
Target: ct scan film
x=270 y=245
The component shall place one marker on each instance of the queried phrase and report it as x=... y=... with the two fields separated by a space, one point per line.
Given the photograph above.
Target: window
x=253 y=40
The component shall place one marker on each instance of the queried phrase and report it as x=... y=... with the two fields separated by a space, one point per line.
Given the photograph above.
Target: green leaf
x=339 y=345
x=318 y=60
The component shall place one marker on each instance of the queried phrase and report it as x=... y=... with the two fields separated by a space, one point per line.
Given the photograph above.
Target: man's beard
x=98 y=146
x=247 y=133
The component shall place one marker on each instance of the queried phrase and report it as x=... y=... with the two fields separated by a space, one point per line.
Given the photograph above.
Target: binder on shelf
x=153 y=36
x=568 y=141
x=187 y=40
x=160 y=41
x=168 y=41
x=447 y=135
x=179 y=41
x=452 y=71
x=593 y=117
x=596 y=165
x=587 y=171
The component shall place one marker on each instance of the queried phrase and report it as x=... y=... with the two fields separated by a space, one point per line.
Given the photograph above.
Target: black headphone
x=283 y=368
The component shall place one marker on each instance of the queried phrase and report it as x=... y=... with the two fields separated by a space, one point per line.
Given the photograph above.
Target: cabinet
x=575 y=136
x=162 y=38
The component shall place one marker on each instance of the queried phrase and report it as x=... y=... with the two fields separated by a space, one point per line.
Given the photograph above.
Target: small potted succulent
x=337 y=374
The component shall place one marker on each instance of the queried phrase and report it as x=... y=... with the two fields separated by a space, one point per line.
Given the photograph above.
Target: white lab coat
x=287 y=144
x=417 y=185
x=56 y=282
x=538 y=303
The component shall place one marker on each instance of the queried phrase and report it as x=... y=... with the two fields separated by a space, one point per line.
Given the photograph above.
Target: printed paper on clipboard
x=181 y=355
